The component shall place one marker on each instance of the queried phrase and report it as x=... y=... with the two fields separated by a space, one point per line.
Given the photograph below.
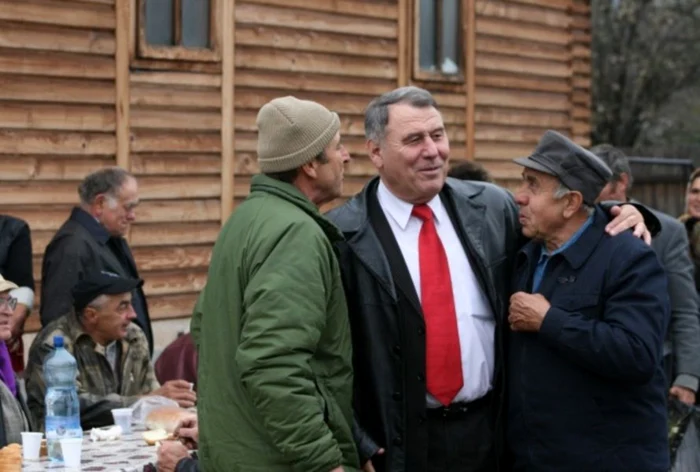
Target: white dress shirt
x=475 y=321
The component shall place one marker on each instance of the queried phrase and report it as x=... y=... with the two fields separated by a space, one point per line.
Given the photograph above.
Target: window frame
x=177 y=52
x=438 y=76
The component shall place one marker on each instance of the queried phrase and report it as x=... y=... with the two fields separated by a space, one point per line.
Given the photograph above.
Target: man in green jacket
x=271 y=325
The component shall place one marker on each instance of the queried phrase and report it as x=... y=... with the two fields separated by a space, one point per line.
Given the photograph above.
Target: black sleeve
x=62 y=268
x=187 y=465
x=19 y=260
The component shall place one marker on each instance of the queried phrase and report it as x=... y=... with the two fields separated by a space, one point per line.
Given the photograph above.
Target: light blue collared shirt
x=546 y=256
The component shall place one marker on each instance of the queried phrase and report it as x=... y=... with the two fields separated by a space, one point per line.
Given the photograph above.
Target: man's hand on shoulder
x=628 y=217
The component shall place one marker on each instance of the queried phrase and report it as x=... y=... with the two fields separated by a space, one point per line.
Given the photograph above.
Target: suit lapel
x=469 y=219
x=124 y=247
x=113 y=261
x=364 y=245
x=468 y=216
x=402 y=278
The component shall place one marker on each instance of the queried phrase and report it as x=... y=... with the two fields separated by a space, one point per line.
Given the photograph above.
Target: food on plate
x=165 y=417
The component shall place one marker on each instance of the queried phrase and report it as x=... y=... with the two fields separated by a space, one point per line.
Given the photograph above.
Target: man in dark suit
x=426 y=263
x=92 y=240
x=16 y=265
x=585 y=377
x=682 y=346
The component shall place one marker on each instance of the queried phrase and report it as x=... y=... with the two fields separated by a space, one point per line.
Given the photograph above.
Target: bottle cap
x=57 y=341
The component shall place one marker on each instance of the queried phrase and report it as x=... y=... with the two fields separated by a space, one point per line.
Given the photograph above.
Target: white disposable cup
x=122 y=417
x=72 y=449
x=31 y=446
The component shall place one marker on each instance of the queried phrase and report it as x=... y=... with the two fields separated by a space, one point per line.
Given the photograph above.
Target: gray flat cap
x=573 y=165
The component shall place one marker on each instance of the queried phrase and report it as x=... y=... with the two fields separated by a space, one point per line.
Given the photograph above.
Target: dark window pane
x=426 y=39
x=159 y=22
x=195 y=23
x=451 y=49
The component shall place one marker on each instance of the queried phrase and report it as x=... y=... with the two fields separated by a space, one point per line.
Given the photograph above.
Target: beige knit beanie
x=291 y=132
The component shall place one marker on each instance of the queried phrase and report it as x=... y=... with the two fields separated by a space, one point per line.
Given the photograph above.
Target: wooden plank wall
x=340 y=54
x=57 y=117
x=581 y=72
x=530 y=66
x=175 y=147
x=58 y=122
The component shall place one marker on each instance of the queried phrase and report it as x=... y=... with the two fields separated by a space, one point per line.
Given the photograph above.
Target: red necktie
x=443 y=356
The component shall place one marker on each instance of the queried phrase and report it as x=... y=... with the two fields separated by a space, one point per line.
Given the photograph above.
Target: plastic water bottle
x=62 y=404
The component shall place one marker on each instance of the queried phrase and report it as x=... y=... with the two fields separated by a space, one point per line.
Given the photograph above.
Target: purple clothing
x=7 y=375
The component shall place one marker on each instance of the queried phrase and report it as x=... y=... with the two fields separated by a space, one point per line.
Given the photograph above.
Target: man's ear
x=310 y=169
x=99 y=203
x=624 y=181
x=574 y=200
x=375 y=153
x=89 y=315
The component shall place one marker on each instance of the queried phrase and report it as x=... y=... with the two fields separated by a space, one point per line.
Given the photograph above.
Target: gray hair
x=562 y=190
x=616 y=160
x=104 y=181
x=377 y=112
x=97 y=302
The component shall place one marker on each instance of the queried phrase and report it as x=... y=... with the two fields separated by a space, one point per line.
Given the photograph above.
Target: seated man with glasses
x=14 y=416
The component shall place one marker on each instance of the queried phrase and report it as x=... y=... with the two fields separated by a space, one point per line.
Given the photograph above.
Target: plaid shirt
x=100 y=389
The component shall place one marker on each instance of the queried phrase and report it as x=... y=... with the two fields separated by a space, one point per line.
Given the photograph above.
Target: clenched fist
x=527 y=311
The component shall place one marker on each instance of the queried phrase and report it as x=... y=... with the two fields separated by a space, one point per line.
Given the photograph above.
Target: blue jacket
x=587 y=392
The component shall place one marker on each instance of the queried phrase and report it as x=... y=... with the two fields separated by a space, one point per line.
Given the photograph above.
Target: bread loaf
x=165 y=418
x=154 y=436
x=11 y=458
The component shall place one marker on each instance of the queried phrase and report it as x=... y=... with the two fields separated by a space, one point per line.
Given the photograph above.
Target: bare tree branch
x=644 y=51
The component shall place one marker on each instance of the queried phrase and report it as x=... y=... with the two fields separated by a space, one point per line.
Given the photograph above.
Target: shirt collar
x=93 y=226
x=400 y=211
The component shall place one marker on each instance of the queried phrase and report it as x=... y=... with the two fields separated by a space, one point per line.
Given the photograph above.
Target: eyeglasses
x=8 y=302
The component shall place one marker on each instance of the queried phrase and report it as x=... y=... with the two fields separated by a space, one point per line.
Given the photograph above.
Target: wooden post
x=228 y=25
x=123 y=28
x=402 y=62
x=469 y=28
x=122 y=99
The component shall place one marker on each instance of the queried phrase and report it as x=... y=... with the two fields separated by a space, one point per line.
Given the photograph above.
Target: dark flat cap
x=573 y=165
x=101 y=283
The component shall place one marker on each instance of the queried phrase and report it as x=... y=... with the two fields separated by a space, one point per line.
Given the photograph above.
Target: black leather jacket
x=387 y=325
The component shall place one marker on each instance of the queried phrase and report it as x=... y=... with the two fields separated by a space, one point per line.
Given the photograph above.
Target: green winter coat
x=274 y=376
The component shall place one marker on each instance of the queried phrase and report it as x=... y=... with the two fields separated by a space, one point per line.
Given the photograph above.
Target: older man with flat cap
x=588 y=318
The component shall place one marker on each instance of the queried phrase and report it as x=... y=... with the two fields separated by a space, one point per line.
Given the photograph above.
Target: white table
x=128 y=454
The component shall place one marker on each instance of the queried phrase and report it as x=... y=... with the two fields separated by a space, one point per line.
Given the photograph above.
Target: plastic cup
x=72 y=449
x=31 y=445
x=122 y=417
